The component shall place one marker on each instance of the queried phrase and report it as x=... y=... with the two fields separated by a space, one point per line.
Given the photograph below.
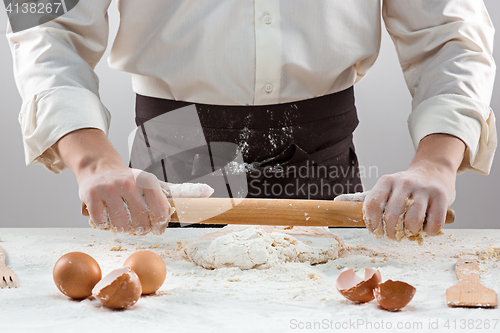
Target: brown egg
x=357 y=289
x=75 y=274
x=119 y=289
x=394 y=295
x=150 y=268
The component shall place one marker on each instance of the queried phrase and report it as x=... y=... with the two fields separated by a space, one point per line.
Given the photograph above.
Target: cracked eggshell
x=75 y=274
x=119 y=289
x=356 y=289
x=150 y=268
x=394 y=295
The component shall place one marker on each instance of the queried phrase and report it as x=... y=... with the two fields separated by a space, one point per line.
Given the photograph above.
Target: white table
x=288 y=298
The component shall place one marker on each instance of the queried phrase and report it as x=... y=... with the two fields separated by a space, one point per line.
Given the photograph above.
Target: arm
x=54 y=71
x=64 y=123
x=445 y=51
x=116 y=197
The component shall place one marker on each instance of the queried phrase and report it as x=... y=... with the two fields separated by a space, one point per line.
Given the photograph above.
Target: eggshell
x=150 y=268
x=119 y=289
x=355 y=288
x=75 y=274
x=394 y=295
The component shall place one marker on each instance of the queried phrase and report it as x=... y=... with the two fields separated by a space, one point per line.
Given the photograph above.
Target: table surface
x=291 y=297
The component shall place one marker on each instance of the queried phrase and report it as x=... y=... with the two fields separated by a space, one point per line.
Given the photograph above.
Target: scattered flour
x=229 y=299
x=263 y=247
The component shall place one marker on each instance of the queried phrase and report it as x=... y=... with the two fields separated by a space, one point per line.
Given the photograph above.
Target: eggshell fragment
x=119 y=289
x=356 y=289
x=150 y=268
x=394 y=295
x=75 y=274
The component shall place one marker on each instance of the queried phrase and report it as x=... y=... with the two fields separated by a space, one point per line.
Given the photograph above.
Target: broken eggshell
x=394 y=295
x=356 y=289
x=119 y=289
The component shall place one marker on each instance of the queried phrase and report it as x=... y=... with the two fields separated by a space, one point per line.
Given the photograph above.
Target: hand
x=117 y=197
x=403 y=201
x=430 y=190
x=124 y=200
x=135 y=221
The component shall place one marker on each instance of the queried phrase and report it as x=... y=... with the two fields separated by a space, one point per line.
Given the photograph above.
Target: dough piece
x=401 y=231
x=249 y=247
x=186 y=190
x=380 y=230
x=352 y=197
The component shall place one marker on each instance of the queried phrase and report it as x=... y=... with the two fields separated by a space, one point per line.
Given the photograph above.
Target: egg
x=75 y=274
x=150 y=268
x=119 y=289
x=394 y=295
x=356 y=289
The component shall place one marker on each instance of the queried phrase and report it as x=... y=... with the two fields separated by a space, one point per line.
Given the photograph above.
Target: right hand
x=130 y=200
x=117 y=197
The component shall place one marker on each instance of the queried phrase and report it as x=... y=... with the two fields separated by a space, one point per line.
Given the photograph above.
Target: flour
x=233 y=300
x=187 y=190
x=243 y=145
x=263 y=247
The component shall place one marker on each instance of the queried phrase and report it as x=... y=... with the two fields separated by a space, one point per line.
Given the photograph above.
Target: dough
x=401 y=231
x=250 y=247
x=186 y=190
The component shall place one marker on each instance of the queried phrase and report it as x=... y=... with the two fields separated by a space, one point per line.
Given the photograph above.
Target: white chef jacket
x=257 y=52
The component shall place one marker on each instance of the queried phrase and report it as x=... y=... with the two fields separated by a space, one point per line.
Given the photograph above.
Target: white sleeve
x=445 y=50
x=54 y=71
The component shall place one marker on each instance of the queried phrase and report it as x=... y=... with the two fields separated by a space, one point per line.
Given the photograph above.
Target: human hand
x=121 y=199
x=390 y=208
x=115 y=196
x=399 y=204
x=133 y=201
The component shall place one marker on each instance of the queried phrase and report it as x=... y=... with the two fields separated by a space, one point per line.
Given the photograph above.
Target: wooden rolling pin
x=285 y=212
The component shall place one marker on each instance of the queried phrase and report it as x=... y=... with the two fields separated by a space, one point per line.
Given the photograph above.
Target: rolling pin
x=284 y=212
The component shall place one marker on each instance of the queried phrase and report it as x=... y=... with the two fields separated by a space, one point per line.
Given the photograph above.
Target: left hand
x=429 y=182
x=431 y=186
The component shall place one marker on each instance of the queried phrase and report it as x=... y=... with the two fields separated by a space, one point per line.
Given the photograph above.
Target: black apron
x=297 y=150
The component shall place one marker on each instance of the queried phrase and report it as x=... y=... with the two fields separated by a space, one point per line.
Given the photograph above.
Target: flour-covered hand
x=421 y=193
x=399 y=204
x=115 y=196
x=125 y=200
x=133 y=201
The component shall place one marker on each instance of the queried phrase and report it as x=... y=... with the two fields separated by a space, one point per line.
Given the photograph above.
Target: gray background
x=34 y=197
